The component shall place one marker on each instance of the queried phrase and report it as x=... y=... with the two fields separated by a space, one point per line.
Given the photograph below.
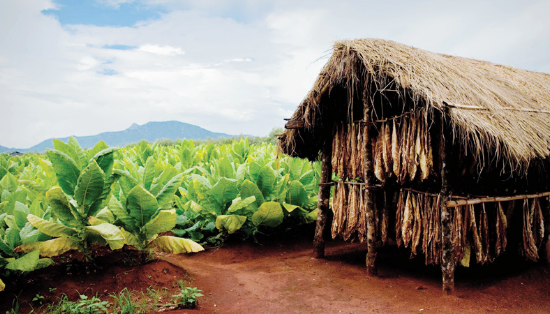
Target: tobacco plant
x=145 y=206
x=84 y=186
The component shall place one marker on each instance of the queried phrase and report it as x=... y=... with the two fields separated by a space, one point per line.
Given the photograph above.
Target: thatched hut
x=445 y=156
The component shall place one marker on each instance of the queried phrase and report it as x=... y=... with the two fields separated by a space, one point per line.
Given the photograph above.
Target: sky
x=82 y=67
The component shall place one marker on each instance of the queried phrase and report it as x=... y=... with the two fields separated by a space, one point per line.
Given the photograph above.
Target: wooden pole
x=323 y=201
x=545 y=247
x=466 y=107
x=447 y=260
x=473 y=201
x=368 y=174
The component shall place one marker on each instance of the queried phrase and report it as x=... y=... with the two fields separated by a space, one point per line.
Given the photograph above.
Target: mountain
x=150 y=132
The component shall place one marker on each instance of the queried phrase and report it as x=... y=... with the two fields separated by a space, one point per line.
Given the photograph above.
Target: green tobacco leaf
x=176 y=245
x=105 y=160
x=166 y=195
x=29 y=234
x=110 y=233
x=168 y=173
x=89 y=186
x=106 y=215
x=241 y=172
x=230 y=223
x=122 y=215
x=248 y=188
x=225 y=168
x=97 y=148
x=20 y=213
x=254 y=170
x=239 y=203
x=67 y=149
x=307 y=177
x=224 y=191
x=36 y=208
x=149 y=173
x=44 y=262
x=50 y=248
x=3 y=172
x=10 y=221
x=94 y=221
x=51 y=228
x=164 y=221
x=186 y=156
x=12 y=237
x=296 y=167
x=2 y=223
x=132 y=239
x=131 y=167
x=201 y=180
x=312 y=216
x=197 y=208
x=289 y=207
x=2 y=285
x=99 y=203
x=81 y=159
x=66 y=170
x=269 y=214
x=61 y=207
x=297 y=194
x=27 y=262
x=9 y=183
x=126 y=175
x=141 y=204
x=266 y=181
x=3 y=208
x=46 y=165
x=5 y=249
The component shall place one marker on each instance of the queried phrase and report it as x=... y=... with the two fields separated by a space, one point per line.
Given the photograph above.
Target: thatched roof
x=510 y=112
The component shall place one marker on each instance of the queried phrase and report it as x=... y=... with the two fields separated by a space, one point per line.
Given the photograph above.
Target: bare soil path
x=280 y=276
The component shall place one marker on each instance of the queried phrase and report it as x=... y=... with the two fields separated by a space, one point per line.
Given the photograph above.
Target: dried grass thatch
x=510 y=112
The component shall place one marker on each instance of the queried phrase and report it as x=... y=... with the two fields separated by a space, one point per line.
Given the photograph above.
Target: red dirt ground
x=281 y=276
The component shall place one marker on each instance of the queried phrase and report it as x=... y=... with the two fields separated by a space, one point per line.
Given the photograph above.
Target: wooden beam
x=294 y=124
x=323 y=200
x=466 y=107
x=368 y=178
x=474 y=201
x=447 y=259
x=544 y=253
x=323 y=90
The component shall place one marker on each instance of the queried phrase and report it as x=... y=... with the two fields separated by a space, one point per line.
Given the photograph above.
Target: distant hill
x=150 y=132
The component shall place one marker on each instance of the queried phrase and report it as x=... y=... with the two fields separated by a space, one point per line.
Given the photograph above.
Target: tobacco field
x=178 y=198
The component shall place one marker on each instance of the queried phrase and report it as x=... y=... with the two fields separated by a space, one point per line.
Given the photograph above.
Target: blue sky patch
x=108 y=72
x=90 y=12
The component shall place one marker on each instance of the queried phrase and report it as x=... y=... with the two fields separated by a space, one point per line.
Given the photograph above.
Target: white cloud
x=228 y=66
x=162 y=50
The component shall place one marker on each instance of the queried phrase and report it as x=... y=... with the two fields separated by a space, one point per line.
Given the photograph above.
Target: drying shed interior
x=443 y=155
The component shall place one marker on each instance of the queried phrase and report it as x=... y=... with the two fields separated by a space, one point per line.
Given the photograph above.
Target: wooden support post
x=545 y=247
x=447 y=260
x=368 y=174
x=323 y=201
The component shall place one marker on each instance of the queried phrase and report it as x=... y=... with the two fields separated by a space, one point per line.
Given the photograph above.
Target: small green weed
x=188 y=297
x=38 y=298
x=123 y=303
x=14 y=307
x=82 y=306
